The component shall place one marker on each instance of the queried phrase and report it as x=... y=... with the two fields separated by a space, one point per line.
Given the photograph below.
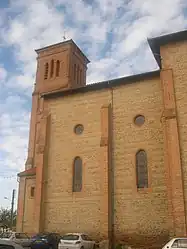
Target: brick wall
x=20 y=206
x=66 y=211
x=28 y=214
x=137 y=214
x=175 y=57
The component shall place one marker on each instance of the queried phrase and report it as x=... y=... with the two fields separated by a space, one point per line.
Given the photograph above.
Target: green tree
x=5 y=217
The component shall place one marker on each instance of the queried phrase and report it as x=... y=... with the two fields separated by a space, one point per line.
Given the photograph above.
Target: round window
x=79 y=129
x=139 y=120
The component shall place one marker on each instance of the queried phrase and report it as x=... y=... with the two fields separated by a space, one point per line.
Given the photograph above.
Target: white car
x=177 y=243
x=76 y=241
x=18 y=238
x=7 y=244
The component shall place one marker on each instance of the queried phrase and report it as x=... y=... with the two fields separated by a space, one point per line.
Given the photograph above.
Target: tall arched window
x=80 y=76
x=141 y=169
x=57 y=68
x=52 y=68
x=46 y=71
x=78 y=71
x=77 y=175
x=75 y=71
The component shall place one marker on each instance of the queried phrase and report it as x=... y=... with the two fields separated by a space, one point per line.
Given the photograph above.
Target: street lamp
x=6 y=198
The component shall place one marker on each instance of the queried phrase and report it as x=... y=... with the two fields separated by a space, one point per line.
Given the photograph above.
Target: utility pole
x=12 y=208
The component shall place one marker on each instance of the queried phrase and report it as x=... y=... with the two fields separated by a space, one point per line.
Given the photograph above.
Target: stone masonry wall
x=28 y=217
x=175 y=57
x=66 y=211
x=137 y=213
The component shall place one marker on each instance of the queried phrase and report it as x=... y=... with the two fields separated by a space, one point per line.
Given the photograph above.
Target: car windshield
x=70 y=237
x=40 y=236
x=6 y=235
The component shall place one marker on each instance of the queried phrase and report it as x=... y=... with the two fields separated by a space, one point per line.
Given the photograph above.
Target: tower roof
x=156 y=42
x=61 y=44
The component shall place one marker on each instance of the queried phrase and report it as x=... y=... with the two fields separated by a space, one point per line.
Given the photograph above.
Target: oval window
x=79 y=129
x=139 y=120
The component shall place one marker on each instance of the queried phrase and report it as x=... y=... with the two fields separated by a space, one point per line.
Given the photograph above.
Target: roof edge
x=103 y=85
x=51 y=46
x=62 y=43
x=156 y=42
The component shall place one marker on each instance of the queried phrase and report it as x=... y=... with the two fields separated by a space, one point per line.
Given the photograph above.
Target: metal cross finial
x=64 y=37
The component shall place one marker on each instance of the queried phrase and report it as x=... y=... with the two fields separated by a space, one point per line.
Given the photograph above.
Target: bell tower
x=60 y=66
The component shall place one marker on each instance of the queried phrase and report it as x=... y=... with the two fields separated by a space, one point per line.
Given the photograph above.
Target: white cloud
x=3 y=74
x=34 y=24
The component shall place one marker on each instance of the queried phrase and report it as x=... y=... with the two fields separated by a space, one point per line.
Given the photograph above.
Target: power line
x=8 y=177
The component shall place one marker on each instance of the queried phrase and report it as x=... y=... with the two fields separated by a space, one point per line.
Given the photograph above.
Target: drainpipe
x=110 y=177
x=22 y=228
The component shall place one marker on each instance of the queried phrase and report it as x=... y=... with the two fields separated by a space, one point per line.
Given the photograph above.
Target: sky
x=112 y=34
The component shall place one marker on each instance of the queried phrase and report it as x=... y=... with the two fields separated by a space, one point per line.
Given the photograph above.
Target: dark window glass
x=21 y=236
x=40 y=236
x=139 y=120
x=182 y=243
x=79 y=129
x=78 y=72
x=77 y=175
x=17 y=235
x=32 y=191
x=141 y=169
x=57 y=68
x=175 y=244
x=74 y=71
x=85 y=237
x=52 y=68
x=70 y=237
x=46 y=71
x=6 y=235
x=80 y=76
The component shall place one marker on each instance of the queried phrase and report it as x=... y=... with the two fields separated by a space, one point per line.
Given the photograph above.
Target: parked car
x=45 y=241
x=177 y=243
x=19 y=238
x=7 y=244
x=76 y=241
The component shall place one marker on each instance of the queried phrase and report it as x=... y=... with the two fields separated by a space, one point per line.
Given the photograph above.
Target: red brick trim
x=28 y=172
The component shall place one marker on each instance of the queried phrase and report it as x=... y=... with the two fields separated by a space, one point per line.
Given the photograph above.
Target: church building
x=108 y=159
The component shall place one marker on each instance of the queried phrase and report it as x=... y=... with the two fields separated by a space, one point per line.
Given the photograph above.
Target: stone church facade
x=108 y=159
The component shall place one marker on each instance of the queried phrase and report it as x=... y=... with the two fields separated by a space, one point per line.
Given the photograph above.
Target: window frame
x=52 y=64
x=57 y=73
x=46 y=70
x=80 y=76
x=139 y=116
x=76 y=189
x=32 y=192
x=178 y=243
x=78 y=71
x=138 y=187
x=75 y=71
x=77 y=126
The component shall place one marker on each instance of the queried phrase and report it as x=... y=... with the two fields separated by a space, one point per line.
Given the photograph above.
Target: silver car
x=176 y=243
x=76 y=241
x=19 y=238
x=7 y=244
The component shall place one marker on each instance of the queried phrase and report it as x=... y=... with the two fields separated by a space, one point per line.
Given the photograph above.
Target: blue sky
x=113 y=34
